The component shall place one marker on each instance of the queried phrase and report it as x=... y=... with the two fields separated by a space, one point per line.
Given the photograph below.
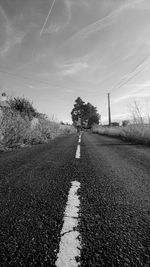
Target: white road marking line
x=78 y=152
x=78 y=148
x=70 y=245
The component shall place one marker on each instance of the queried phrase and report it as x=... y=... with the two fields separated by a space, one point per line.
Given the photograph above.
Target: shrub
x=23 y=106
x=16 y=131
x=13 y=128
x=21 y=124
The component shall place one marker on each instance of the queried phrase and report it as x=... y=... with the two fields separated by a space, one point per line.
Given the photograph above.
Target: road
x=113 y=180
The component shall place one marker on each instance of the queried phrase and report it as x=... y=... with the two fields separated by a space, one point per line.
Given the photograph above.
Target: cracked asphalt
x=114 y=219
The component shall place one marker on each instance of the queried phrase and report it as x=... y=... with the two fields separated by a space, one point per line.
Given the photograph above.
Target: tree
x=125 y=123
x=78 y=110
x=85 y=113
x=93 y=119
x=23 y=106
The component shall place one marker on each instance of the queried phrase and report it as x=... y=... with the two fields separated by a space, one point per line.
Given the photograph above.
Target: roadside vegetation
x=21 y=125
x=136 y=131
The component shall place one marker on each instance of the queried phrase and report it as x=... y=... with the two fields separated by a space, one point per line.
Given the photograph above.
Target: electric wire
x=23 y=77
x=138 y=69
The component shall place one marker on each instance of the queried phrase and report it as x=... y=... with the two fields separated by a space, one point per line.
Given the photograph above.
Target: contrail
x=102 y=23
x=47 y=17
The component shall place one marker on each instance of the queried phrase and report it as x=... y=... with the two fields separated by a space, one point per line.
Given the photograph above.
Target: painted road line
x=70 y=246
x=78 y=152
x=78 y=148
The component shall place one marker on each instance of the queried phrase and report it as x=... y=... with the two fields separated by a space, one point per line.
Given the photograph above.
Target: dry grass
x=16 y=131
x=137 y=133
x=140 y=133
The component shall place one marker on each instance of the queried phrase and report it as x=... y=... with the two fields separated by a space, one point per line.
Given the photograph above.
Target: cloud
x=9 y=35
x=68 y=8
x=31 y=86
x=146 y=84
x=105 y=21
x=65 y=13
x=10 y=42
x=80 y=3
x=145 y=5
x=58 y=22
x=13 y=39
x=133 y=96
x=74 y=68
x=53 y=28
x=134 y=90
x=69 y=91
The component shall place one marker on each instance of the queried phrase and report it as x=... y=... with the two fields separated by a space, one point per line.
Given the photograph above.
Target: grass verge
x=135 y=133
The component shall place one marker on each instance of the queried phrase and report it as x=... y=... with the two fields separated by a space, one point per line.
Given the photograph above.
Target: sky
x=53 y=51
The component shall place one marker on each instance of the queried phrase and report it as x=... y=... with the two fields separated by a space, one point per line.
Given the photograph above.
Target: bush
x=23 y=106
x=21 y=124
x=17 y=131
x=43 y=131
x=67 y=129
x=13 y=128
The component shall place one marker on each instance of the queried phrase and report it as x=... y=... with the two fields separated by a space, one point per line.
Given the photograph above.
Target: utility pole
x=109 y=111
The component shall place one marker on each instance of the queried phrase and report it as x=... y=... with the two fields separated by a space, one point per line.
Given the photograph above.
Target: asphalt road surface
x=113 y=180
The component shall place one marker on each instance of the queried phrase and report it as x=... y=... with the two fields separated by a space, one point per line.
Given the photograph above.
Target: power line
x=130 y=78
x=33 y=80
x=23 y=77
x=138 y=69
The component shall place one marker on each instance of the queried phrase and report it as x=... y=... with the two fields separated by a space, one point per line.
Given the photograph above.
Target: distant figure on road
x=79 y=129
x=79 y=125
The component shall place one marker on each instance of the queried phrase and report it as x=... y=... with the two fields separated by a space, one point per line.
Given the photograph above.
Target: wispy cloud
x=53 y=28
x=132 y=96
x=61 y=22
x=68 y=91
x=10 y=42
x=74 y=68
x=69 y=9
x=134 y=90
x=80 y=3
x=31 y=86
x=105 y=21
x=9 y=35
